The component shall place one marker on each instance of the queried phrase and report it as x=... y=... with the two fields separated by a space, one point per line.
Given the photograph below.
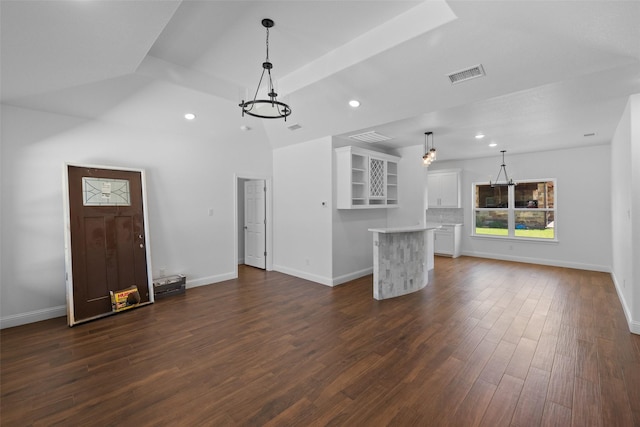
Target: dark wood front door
x=107 y=238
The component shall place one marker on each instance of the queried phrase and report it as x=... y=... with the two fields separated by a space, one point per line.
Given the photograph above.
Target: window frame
x=512 y=211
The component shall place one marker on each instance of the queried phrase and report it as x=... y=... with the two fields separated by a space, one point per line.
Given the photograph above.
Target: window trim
x=511 y=213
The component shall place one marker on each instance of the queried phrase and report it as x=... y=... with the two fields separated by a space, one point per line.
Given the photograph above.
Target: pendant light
x=429 y=153
x=266 y=108
x=507 y=181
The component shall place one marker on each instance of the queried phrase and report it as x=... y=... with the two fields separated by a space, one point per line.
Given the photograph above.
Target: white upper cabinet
x=365 y=179
x=443 y=189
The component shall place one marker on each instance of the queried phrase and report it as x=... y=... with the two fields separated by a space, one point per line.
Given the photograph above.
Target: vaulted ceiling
x=555 y=70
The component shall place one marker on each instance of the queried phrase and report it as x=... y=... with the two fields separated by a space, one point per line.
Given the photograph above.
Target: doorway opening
x=253 y=222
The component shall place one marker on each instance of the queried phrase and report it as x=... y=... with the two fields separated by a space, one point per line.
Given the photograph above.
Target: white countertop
x=406 y=229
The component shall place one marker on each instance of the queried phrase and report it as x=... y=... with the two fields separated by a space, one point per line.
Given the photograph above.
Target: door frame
x=67 y=236
x=268 y=215
x=256 y=206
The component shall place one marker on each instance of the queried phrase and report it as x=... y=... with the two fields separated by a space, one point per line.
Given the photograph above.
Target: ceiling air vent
x=468 y=74
x=294 y=127
x=370 y=137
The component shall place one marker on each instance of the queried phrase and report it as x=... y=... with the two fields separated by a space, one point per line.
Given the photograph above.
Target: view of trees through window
x=525 y=210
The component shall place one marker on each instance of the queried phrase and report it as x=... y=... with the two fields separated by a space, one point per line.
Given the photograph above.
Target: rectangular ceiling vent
x=370 y=137
x=294 y=127
x=468 y=74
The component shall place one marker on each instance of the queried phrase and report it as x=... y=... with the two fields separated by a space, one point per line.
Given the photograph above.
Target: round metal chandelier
x=266 y=108
x=507 y=181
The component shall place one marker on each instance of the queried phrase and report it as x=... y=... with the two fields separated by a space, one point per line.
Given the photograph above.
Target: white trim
x=541 y=261
x=512 y=211
x=268 y=214
x=147 y=235
x=304 y=275
x=351 y=276
x=32 y=316
x=67 y=231
x=514 y=239
x=634 y=325
x=209 y=280
x=61 y=310
x=68 y=276
x=335 y=281
x=355 y=149
x=441 y=171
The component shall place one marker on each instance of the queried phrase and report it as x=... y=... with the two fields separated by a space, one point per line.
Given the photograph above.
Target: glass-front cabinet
x=365 y=178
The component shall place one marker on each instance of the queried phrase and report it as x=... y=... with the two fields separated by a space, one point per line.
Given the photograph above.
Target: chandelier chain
x=267 y=44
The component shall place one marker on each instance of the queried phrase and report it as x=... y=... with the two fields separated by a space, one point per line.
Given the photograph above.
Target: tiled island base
x=402 y=258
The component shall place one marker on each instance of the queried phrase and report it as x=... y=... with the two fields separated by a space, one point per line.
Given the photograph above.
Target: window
x=526 y=210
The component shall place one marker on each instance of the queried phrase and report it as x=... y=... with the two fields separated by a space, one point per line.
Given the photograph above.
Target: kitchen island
x=402 y=259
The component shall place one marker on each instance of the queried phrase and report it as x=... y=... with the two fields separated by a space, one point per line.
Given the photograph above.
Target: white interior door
x=254 y=223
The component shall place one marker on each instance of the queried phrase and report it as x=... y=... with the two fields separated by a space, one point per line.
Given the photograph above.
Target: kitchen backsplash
x=446 y=215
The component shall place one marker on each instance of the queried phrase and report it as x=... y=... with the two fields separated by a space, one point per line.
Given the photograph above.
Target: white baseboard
x=634 y=326
x=203 y=281
x=335 y=281
x=304 y=275
x=351 y=276
x=59 y=311
x=32 y=316
x=541 y=261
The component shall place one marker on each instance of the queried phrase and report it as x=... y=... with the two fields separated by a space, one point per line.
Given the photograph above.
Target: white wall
x=625 y=211
x=352 y=240
x=302 y=182
x=635 y=212
x=186 y=177
x=412 y=182
x=582 y=200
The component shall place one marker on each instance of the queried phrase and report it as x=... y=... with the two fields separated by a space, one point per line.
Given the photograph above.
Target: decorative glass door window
x=376 y=178
x=105 y=192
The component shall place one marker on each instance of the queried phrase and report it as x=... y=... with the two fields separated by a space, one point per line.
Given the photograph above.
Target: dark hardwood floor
x=486 y=343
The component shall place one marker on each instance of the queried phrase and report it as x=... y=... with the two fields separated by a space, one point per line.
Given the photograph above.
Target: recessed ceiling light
x=480 y=136
x=354 y=103
x=189 y=116
x=493 y=144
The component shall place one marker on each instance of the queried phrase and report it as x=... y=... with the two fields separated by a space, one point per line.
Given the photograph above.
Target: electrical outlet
x=306 y=261
x=163 y=271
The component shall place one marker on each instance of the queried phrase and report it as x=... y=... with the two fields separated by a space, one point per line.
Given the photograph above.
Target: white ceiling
x=555 y=70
